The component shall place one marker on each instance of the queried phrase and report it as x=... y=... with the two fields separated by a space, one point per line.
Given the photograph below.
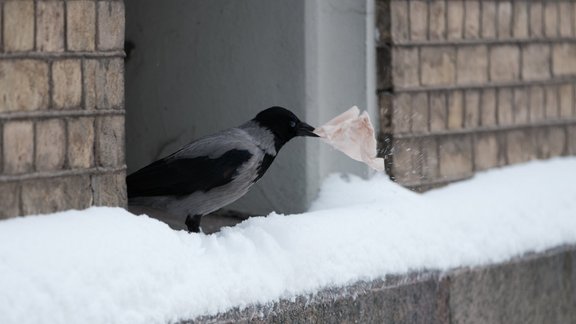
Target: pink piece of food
x=353 y=134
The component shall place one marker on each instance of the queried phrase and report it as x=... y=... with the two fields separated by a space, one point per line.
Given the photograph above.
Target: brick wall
x=61 y=105
x=469 y=85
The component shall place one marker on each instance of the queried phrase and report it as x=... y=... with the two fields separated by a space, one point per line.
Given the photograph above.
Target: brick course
x=476 y=85
x=61 y=105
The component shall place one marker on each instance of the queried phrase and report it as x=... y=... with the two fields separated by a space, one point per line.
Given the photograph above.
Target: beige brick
x=472 y=104
x=472 y=64
x=23 y=85
x=504 y=63
x=10 y=202
x=50 y=26
x=43 y=196
x=56 y=194
x=551 y=111
x=110 y=141
x=566 y=18
x=437 y=22
x=50 y=145
x=550 y=142
x=521 y=110
x=81 y=25
x=110 y=25
x=81 y=143
x=438 y=65
x=550 y=18
x=520 y=20
x=455 y=19
x=420 y=112
x=429 y=157
x=537 y=104
x=504 y=19
x=535 y=62
x=557 y=141
x=564 y=59
x=110 y=83
x=472 y=21
x=520 y=146
x=486 y=152
x=405 y=161
x=505 y=106
x=574 y=15
x=489 y=9
x=438 y=111
x=110 y=189
x=400 y=22
x=455 y=110
x=541 y=142
x=18 y=26
x=418 y=20
x=536 y=19
x=89 y=72
x=488 y=108
x=402 y=113
x=67 y=83
x=566 y=100
x=571 y=140
x=104 y=83
x=455 y=157
x=18 y=147
x=405 y=67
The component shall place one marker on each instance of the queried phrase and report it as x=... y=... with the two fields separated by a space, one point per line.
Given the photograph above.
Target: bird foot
x=193 y=223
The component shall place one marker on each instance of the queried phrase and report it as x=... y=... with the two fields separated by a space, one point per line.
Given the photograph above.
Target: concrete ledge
x=535 y=288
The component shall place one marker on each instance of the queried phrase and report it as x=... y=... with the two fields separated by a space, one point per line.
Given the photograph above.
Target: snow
x=105 y=265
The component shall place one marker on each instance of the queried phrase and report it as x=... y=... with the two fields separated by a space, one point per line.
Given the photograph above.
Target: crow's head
x=283 y=124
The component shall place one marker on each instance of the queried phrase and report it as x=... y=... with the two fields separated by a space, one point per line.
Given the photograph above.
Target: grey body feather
x=251 y=137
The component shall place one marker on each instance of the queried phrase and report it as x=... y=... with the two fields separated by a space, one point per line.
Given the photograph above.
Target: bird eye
x=292 y=124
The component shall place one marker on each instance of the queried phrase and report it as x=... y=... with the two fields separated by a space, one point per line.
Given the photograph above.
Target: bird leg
x=193 y=223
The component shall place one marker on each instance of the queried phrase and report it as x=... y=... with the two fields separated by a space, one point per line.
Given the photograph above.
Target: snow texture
x=104 y=265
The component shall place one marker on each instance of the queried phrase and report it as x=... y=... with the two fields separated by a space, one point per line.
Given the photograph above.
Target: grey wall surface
x=202 y=66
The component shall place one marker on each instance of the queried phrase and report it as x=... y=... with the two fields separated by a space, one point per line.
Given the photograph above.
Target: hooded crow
x=214 y=171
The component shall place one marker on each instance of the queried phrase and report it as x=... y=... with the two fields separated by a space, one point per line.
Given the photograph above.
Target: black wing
x=182 y=176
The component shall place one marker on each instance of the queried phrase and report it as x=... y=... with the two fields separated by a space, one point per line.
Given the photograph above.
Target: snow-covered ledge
x=534 y=288
x=499 y=248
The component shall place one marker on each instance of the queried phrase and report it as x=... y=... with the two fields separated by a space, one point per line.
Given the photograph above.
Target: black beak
x=305 y=130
